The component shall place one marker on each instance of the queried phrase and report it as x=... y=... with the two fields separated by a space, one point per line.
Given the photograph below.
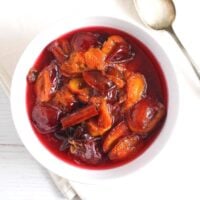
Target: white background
x=173 y=174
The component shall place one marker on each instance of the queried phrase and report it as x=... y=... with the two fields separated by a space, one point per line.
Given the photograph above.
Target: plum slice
x=120 y=53
x=145 y=115
x=60 y=49
x=117 y=50
x=112 y=95
x=110 y=43
x=46 y=117
x=126 y=147
x=118 y=131
x=115 y=76
x=87 y=151
x=83 y=41
x=97 y=80
x=47 y=83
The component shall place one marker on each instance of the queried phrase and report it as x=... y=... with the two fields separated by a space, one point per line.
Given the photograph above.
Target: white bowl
x=20 y=116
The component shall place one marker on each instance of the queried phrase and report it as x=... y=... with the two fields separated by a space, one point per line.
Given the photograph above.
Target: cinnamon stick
x=79 y=116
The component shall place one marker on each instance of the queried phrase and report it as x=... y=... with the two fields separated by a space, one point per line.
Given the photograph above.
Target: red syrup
x=144 y=62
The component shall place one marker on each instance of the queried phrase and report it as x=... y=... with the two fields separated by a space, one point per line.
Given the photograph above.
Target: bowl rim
x=18 y=110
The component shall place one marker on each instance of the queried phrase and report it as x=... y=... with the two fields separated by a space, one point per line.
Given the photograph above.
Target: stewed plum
x=83 y=41
x=86 y=151
x=145 y=115
x=97 y=80
x=92 y=100
x=46 y=117
x=47 y=83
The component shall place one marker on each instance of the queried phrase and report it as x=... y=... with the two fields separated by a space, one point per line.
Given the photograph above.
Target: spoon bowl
x=160 y=15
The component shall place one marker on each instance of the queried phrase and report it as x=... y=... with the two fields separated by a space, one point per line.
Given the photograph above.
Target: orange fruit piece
x=118 y=131
x=126 y=147
x=136 y=89
x=74 y=65
x=76 y=86
x=64 y=99
x=104 y=121
x=94 y=59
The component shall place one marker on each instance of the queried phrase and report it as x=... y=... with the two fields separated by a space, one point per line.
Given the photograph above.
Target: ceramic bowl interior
x=20 y=116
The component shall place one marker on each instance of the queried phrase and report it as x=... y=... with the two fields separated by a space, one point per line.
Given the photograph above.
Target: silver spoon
x=159 y=15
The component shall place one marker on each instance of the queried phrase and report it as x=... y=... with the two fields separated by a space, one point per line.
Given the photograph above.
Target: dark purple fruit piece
x=45 y=117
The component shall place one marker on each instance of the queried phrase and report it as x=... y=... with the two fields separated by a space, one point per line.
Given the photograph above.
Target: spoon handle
x=170 y=30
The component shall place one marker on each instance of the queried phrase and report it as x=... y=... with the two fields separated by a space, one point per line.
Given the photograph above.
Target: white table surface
x=173 y=174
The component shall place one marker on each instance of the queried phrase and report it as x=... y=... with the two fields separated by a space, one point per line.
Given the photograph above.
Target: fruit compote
x=96 y=97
